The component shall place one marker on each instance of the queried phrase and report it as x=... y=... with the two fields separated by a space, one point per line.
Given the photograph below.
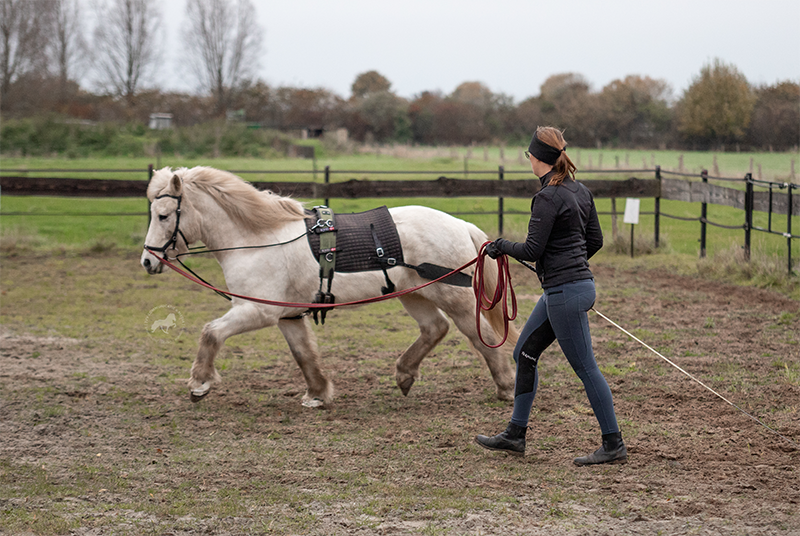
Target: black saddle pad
x=355 y=244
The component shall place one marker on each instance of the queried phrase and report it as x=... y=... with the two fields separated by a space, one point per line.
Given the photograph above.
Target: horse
x=221 y=210
x=165 y=324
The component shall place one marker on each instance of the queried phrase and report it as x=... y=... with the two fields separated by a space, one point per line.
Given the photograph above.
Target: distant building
x=311 y=132
x=159 y=121
x=235 y=116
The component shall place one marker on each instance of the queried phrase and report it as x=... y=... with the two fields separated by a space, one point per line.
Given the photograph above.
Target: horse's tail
x=494 y=316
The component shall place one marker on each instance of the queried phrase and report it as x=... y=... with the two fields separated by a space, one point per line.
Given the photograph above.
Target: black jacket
x=563 y=233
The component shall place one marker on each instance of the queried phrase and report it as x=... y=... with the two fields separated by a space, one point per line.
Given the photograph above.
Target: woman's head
x=549 y=148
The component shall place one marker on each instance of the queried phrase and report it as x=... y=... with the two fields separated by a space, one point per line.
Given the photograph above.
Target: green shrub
x=762 y=270
x=642 y=245
x=48 y=135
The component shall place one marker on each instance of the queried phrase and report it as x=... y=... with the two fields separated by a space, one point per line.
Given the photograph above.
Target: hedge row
x=43 y=136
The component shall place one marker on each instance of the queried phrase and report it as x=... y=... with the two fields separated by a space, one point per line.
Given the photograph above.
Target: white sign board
x=631 y=210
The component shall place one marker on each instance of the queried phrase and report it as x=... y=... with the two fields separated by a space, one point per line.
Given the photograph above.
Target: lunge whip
x=629 y=334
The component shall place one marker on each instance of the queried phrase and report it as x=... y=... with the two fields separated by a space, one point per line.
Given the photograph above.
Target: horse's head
x=182 y=200
x=169 y=220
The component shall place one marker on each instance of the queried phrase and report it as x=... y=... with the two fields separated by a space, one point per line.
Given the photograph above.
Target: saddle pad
x=355 y=245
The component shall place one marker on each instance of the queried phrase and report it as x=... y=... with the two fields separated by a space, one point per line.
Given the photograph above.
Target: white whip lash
x=692 y=377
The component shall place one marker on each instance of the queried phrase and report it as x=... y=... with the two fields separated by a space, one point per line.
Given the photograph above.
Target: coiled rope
x=501 y=294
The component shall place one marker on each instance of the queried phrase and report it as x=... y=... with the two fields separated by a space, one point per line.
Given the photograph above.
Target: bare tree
x=127 y=45
x=223 y=43
x=68 y=45
x=23 y=39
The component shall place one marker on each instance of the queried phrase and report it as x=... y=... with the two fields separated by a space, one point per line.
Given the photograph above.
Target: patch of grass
x=762 y=270
x=789 y=371
x=614 y=370
x=250 y=460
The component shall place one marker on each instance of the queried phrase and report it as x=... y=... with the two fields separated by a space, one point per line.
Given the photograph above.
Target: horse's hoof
x=197 y=398
x=505 y=394
x=313 y=402
x=405 y=385
x=196 y=395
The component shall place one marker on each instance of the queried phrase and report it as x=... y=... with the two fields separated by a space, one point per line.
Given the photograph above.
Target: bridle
x=172 y=242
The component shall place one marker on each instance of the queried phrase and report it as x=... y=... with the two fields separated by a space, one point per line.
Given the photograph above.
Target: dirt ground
x=100 y=440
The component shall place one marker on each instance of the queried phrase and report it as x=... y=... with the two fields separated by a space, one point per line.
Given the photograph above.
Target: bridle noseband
x=172 y=242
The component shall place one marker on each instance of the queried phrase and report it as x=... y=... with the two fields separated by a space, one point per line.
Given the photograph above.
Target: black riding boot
x=511 y=441
x=612 y=451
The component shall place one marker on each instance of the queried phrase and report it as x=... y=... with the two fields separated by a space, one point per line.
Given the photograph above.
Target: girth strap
x=385 y=261
x=326 y=230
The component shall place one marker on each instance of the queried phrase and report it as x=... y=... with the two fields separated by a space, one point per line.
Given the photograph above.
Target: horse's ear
x=177 y=185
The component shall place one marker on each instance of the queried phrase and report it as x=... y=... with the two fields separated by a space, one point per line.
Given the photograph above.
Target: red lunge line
x=483 y=302
x=310 y=305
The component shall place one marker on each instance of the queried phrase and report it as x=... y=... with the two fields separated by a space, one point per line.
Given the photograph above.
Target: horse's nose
x=146 y=264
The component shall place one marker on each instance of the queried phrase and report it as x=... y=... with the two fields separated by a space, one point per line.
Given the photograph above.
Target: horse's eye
x=163 y=217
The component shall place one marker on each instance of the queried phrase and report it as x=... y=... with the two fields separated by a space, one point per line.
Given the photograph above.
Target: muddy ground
x=99 y=437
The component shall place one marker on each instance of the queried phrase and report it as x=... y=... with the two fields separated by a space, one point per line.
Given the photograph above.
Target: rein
x=484 y=303
x=308 y=305
x=201 y=250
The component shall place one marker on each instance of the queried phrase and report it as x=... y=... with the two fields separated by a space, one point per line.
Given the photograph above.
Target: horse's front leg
x=239 y=319
x=303 y=343
x=433 y=326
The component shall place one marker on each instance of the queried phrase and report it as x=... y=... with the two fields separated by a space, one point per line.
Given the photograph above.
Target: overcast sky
x=512 y=46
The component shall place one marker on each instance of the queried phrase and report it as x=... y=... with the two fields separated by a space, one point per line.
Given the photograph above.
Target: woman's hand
x=492 y=250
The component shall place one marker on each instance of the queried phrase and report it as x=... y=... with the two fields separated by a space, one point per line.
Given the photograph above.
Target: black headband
x=546 y=153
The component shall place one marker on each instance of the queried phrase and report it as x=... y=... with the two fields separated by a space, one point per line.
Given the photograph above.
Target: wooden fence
x=752 y=195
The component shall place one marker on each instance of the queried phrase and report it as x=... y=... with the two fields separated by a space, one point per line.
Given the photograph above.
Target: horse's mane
x=256 y=210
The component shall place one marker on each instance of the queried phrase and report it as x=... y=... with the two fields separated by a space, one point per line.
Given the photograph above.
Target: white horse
x=222 y=211
x=165 y=324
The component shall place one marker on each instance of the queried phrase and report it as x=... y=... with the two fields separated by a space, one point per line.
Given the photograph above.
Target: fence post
x=327 y=181
x=769 y=217
x=703 y=217
x=789 y=228
x=748 y=213
x=657 y=208
x=500 y=176
x=149 y=178
x=614 y=219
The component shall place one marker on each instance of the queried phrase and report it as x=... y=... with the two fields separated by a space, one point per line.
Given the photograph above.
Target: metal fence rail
x=770 y=199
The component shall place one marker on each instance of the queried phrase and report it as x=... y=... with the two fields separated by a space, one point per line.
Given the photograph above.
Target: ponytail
x=564 y=168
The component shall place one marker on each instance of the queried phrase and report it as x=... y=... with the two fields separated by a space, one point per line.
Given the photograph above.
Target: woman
x=563 y=234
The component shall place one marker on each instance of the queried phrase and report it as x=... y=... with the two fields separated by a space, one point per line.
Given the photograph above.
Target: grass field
x=102 y=224
x=774 y=166
x=99 y=436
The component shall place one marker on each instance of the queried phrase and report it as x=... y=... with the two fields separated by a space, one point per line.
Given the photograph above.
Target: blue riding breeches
x=561 y=314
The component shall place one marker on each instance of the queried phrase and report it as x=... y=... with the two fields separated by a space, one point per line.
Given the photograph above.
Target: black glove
x=492 y=250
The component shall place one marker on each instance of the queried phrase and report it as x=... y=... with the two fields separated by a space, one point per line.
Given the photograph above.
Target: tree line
x=47 y=47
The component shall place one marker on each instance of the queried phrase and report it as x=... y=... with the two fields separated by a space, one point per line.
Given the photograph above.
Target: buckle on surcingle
x=322 y=297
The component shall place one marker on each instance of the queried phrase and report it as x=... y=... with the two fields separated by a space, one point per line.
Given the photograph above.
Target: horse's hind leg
x=303 y=343
x=239 y=319
x=433 y=326
x=497 y=359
